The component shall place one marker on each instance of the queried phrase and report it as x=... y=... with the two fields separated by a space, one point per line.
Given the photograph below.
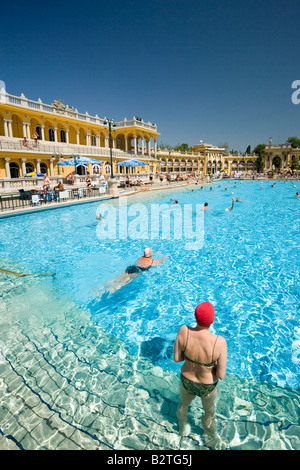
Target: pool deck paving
x=71 y=202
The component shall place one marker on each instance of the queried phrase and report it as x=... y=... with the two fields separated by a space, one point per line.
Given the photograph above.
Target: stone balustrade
x=15 y=145
x=64 y=110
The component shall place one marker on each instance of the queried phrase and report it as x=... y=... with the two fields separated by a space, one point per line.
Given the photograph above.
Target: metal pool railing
x=14 y=201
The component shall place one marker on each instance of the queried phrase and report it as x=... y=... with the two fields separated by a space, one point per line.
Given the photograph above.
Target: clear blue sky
x=219 y=71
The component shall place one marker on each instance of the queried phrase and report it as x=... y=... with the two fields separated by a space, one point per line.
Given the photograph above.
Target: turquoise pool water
x=248 y=268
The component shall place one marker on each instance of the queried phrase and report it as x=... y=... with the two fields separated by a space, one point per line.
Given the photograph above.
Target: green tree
x=260 y=151
x=294 y=141
x=295 y=165
x=182 y=148
x=248 y=149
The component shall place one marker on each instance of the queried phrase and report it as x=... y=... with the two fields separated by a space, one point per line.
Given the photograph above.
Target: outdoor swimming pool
x=248 y=268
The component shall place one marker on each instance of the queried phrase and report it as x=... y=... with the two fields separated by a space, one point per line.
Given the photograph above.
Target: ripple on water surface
x=248 y=268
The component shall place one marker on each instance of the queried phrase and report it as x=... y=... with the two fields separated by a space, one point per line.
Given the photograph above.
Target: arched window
x=63 y=135
x=44 y=168
x=38 y=130
x=81 y=170
x=29 y=167
x=96 y=169
x=107 y=169
x=51 y=135
x=14 y=170
x=93 y=140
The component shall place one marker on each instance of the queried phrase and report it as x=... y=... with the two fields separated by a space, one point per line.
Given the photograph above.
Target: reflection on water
x=80 y=355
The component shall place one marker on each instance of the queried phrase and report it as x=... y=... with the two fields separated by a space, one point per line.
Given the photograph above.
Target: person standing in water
x=205 y=358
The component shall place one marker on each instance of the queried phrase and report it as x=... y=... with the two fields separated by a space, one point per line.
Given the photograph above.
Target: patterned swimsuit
x=197 y=388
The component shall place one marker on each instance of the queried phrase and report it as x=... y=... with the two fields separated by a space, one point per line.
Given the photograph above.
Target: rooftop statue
x=58 y=106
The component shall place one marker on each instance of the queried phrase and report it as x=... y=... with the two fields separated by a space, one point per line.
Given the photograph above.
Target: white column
x=23 y=166
x=155 y=148
x=7 y=168
x=24 y=129
x=148 y=147
x=77 y=137
x=55 y=135
x=135 y=145
x=10 y=131
x=67 y=136
x=88 y=140
x=38 y=165
x=106 y=141
x=43 y=132
x=28 y=131
x=5 y=127
x=126 y=143
x=51 y=166
x=143 y=146
x=114 y=142
x=98 y=140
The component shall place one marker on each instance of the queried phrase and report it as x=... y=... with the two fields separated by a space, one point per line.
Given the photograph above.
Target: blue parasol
x=132 y=163
x=80 y=161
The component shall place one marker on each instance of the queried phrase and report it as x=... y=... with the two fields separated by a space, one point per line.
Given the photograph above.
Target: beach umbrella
x=33 y=173
x=132 y=163
x=80 y=161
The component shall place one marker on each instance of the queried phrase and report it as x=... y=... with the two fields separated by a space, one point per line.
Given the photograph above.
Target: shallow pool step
x=69 y=384
x=66 y=384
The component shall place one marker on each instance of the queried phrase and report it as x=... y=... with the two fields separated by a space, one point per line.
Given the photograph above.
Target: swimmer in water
x=297 y=194
x=232 y=205
x=205 y=207
x=99 y=217
x=144 y=263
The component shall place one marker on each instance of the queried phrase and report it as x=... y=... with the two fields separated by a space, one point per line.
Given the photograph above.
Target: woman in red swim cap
x=205 y=356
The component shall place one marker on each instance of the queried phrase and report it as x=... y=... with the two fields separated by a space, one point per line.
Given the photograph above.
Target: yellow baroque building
x=205 y=159
x=35 y=136
x=281 y=156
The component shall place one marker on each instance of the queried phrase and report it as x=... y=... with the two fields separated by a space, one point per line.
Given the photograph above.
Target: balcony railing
x=16 y=145
x=64 y=110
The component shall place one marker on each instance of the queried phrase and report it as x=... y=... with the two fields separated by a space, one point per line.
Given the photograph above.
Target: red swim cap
x=205 y=314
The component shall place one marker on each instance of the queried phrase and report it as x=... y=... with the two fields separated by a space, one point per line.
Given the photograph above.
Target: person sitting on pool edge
x=205 y=356
x=144 y=263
